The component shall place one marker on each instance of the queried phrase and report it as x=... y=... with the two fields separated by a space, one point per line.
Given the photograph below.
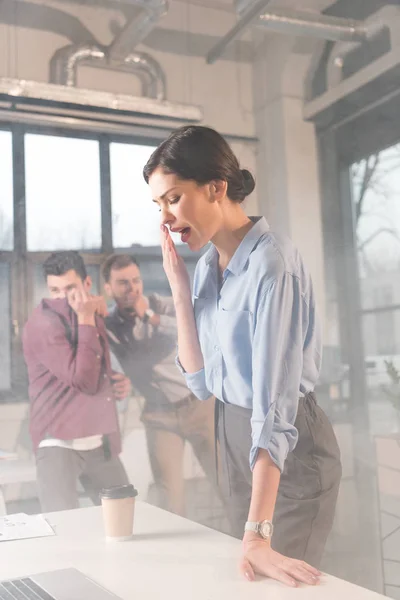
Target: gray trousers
x=308 y=487
x=58 y=471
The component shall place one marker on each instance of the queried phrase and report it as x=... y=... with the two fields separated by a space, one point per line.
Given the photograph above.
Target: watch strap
x=252 y=526
x=263 y=528
x=148 y=315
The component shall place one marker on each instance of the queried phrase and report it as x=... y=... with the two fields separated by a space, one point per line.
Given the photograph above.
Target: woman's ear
x=218 y=189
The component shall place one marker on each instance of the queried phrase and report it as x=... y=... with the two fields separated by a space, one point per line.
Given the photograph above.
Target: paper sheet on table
x=21 y=526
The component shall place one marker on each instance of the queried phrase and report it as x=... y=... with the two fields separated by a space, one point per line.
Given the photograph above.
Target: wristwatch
x=262 y=528
x=148 y=315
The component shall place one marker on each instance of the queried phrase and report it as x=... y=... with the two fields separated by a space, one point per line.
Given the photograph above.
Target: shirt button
x=108 y=399
x=105 y=375
x=98 y=356
x=216 y=347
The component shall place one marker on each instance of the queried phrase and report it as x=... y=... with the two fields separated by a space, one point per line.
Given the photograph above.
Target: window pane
x=376 y=189
x=5 y=339
x=135 y=217
x=63 y=206
x=6 y=192
x=40 y=288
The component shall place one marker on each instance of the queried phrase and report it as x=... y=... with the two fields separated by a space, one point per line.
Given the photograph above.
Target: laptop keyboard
x=23 y=589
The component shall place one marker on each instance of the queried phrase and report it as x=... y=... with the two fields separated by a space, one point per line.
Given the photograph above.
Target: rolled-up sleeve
x=196 y=382
x=276 y=368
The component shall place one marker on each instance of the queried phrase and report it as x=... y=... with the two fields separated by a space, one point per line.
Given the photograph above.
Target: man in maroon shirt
x=72 y=389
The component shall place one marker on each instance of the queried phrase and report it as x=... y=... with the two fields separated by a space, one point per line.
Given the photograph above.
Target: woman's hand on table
x=259 y=558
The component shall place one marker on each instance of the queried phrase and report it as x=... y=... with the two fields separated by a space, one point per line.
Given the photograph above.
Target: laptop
x=64 y=584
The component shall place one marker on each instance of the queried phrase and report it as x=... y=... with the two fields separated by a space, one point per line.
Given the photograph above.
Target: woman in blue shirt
x=250 y=337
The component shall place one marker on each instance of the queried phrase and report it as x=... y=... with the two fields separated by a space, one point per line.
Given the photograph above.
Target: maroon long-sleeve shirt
x=69 y=377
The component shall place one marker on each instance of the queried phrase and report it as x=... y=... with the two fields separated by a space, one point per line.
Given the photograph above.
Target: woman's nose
x=166 y=217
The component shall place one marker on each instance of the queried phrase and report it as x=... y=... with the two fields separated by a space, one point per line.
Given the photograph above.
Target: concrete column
x=287 y=163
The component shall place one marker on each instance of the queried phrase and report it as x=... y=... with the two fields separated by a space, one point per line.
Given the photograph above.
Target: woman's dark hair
x=202 y=155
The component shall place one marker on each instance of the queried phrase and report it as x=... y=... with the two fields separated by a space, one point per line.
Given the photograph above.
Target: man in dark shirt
x=142 y=334
x=72 y=388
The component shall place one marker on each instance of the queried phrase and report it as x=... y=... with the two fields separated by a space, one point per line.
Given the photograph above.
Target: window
x=6 y=192
x=63 y=205
x=5 y=338
x=135 y=218
x=383 y=295
x=376 y=188
x=385 y=332
x=60 y=195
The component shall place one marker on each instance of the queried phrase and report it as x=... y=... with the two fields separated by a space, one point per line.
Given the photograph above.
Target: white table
x=169 y=558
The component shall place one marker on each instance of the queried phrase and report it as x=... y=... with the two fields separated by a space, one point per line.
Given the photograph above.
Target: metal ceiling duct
x=249 y=14
x=65 y=62
x=356 y=93
x=119 y=55
x=292 y=22
x=62 y=100
x=154 y=83
x=138 y=28
x=387 y=18
x=305 y=23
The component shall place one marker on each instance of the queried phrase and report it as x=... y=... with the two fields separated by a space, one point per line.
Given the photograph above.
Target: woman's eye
x=174 y=200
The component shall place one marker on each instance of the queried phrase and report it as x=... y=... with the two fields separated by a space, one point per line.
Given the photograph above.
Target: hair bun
x=248 y=181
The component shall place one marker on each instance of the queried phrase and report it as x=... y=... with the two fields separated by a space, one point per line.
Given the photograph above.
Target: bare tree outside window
x=376 y=192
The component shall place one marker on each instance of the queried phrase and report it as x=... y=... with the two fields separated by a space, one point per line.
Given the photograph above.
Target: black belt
x=169 y=406
x=184 y=402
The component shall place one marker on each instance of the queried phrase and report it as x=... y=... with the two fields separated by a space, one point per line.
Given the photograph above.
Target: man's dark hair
x=59 y=263
x=115 y=262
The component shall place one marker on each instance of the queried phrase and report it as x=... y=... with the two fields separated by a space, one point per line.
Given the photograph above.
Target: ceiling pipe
x=305 y=23
x=119 y=55
x=64 y=68
x=154 y=83
x=387 y=18
x=64 y=62
x=138 y=28
x=249 y=14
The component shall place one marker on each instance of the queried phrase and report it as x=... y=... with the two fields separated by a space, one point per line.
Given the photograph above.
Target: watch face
x=266 y=529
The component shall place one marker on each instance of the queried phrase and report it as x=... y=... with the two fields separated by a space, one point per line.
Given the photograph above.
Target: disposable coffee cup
x=118 y=512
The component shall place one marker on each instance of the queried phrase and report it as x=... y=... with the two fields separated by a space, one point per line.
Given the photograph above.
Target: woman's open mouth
x=185 y=234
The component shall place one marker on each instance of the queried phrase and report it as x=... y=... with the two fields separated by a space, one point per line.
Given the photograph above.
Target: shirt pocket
x=235 y=335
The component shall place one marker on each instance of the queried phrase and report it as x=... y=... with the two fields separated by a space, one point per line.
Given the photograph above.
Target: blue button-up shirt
x=259 y=336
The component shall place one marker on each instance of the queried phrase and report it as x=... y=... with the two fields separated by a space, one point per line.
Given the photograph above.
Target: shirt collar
x=118 y=317
x=245 y=248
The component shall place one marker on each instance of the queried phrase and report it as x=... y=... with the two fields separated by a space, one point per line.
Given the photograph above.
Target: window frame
x=22 y=263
